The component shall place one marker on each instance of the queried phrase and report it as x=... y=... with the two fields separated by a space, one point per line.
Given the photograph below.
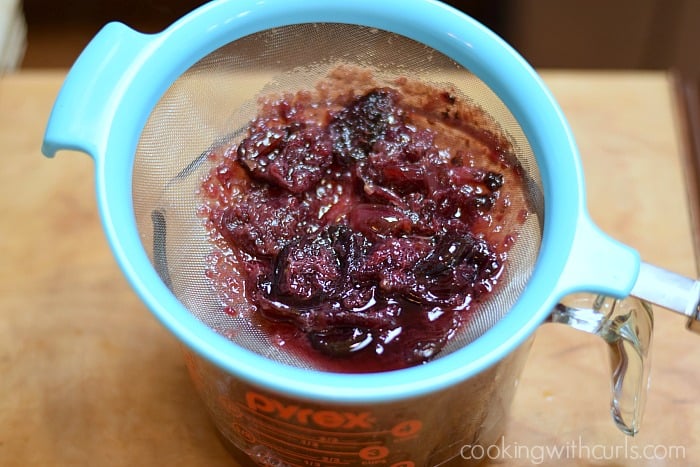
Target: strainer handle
x=626 y=327
x=598 y=263
x=84 y=109
x=671 y=291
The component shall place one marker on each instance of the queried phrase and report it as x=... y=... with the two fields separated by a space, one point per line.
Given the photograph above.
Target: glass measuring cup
x=444 y=427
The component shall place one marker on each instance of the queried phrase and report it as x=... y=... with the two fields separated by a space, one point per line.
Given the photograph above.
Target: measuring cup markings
x=274 y=427
x=302 y=435
x=298 y=431
x=315 y=436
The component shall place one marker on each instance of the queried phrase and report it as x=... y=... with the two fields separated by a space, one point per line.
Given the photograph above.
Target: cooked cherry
x=355 y=226
x=493 y=181
x=292 y=157
x=450 y=250
x=306 y=270
x=341 y=342
x=261 y=223
x=362 y=123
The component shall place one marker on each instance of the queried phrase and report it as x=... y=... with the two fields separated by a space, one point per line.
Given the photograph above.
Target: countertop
x=89 y=377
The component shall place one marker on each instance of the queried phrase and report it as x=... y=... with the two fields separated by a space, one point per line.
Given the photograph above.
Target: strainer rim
x=459 y=37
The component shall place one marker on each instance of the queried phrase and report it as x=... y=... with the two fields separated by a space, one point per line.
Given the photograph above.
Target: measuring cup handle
x=626 y=326
x=82 y=114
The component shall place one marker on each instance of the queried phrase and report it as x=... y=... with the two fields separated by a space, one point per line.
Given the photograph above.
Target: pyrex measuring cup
x=454 y=425
x=129 y=103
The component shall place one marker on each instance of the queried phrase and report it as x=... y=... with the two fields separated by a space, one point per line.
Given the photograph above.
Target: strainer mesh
x=212 y=103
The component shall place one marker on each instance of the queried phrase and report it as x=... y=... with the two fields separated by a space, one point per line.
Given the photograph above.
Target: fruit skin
x=292 y=157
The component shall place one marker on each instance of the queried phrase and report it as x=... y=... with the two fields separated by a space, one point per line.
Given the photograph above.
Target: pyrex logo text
x=321 y=418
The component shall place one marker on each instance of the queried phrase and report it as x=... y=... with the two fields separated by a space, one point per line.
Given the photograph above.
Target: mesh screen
x=214 y=100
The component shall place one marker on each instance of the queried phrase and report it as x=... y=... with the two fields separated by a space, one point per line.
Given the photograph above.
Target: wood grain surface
x=88 y=377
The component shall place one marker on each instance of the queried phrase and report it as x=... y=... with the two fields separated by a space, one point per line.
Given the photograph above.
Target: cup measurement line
x=304 y=444
x=332 y=459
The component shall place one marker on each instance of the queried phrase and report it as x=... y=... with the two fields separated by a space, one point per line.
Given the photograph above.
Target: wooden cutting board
x=88 y=377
